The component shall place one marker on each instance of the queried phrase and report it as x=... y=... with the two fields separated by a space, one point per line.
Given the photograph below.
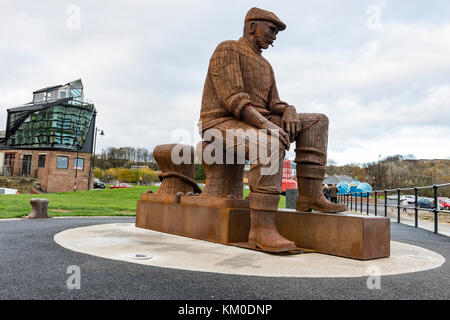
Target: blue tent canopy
x=343 y=187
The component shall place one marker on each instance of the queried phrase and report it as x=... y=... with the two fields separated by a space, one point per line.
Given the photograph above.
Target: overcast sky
x=380 y=70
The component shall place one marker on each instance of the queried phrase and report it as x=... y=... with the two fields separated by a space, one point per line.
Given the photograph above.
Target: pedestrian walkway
x=443 y=228
x=408 y=219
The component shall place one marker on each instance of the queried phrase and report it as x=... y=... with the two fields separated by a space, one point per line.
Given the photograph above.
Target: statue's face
x=265 y=33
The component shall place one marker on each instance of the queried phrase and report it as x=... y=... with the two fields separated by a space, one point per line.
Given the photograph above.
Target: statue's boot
x=311 y=159
x=310 y=194
x=263 y=231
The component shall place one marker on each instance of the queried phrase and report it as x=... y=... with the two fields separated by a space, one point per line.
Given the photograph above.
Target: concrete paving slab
x=118 y=241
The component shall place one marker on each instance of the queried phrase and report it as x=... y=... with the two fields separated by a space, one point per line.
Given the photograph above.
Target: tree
x=376 y=174
x=331 y=168
x=359 y=173
x=199 y=173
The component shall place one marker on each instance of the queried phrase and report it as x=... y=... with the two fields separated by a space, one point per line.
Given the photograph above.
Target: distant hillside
x=397 y=172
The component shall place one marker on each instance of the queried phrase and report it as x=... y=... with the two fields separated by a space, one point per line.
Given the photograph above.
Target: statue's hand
x=290 y=122
x=276 y=131
x=254 y=118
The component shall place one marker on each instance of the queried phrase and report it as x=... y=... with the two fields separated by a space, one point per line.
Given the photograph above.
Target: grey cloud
x=144 y=62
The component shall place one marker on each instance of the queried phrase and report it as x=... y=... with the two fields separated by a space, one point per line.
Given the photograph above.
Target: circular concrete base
x=122 y=241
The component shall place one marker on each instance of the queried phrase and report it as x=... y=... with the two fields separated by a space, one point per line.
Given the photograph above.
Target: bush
x=142 y=176
x=98 y=173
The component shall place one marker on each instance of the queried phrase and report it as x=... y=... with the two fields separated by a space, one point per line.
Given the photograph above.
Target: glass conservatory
x=58 y=117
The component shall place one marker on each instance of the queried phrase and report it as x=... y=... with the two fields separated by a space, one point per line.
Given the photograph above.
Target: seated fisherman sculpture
x=240 y=93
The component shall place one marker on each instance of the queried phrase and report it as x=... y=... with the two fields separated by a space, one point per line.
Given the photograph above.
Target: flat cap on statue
x=261 y=14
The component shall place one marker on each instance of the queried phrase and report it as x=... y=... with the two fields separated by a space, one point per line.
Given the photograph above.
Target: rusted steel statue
x=175 y=178
x=243 y=119
x=240 y=92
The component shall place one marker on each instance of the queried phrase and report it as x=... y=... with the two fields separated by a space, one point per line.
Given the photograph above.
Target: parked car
x=395 y=197
x=8 y=191
x=120 y=185
x=445 y=202
x=410 y=198
x=98 y=184
x=392 y=197
x=425 y=203
x=429 y=203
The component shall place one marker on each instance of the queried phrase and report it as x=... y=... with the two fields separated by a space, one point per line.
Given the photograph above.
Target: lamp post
x=379 y=178
x=76 y=172
x=103 y=163
x=95 y=144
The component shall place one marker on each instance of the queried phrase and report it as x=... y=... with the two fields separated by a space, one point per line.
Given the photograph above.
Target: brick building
x=51 y=139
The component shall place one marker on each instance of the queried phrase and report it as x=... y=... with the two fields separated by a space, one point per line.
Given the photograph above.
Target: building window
x=75 y=93
x=39 y=97
x=8 y=167
x=55 y=126
x=52 y=95
x=78 y=164
x=63 y=162
x=26 y=164
x=41 y=161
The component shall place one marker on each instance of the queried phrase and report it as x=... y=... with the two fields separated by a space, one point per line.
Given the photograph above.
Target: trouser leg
x=311 y=159
x=265 y=154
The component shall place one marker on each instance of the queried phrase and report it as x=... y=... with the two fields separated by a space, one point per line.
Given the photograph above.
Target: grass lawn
x=115 y=202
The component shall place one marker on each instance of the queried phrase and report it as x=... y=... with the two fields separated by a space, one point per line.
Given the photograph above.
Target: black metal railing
x=352 y=204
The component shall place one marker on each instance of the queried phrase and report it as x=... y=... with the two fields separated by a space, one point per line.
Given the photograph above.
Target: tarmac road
x=33 y=266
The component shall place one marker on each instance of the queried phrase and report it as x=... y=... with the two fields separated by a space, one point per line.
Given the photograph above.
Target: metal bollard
x=291 y=198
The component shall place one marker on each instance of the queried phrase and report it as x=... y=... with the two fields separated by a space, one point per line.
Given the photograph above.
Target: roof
x=57 y=86
x=38 y=106
x=337 y=179
x=47 y=88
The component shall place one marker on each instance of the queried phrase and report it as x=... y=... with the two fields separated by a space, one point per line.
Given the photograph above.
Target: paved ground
x=33 y=266
x=118 y=241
